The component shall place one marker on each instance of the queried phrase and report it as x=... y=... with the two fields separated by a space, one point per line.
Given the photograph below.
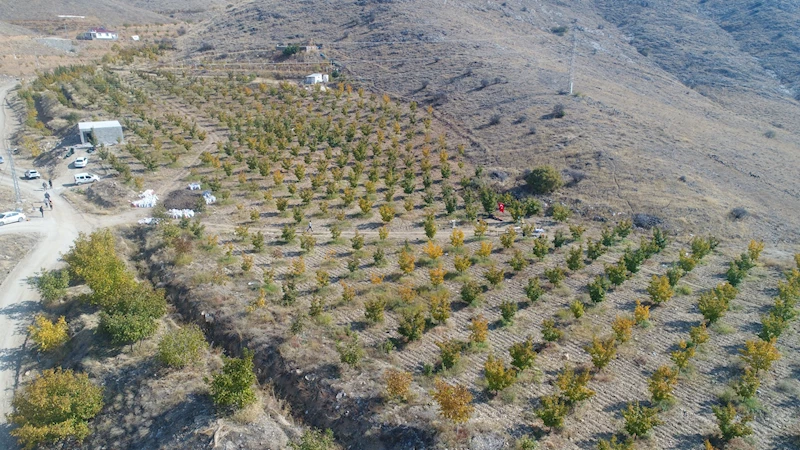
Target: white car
x=81 y=162
x=81 y=178
x=31 y=174
x=11 y=217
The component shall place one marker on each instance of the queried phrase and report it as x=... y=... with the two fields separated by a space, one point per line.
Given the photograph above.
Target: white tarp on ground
x=147 y=199
x=194 y=186
x=180 y=213
x=148 y=221
x=209 y=198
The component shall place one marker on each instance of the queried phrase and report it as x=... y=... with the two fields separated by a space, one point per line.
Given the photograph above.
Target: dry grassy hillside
x=689 y=132
x=110 y=12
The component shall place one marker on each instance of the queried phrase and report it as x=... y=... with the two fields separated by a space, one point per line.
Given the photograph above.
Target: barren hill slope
x=108 y=12
x=679 y=133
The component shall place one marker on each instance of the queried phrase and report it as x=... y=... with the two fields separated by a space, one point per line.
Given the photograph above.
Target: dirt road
x=56 y=230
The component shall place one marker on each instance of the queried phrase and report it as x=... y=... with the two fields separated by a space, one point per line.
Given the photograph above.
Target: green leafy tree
x=522 y=354
x=573 y=385
x=533 y=290
x=541 y=247
x=544 y=180
x=602 y=351
x=55 y=406
x=182 y=347
x=507 y=238
x=52 y=284
x=759 y=355
x=49 y=335
x=288 y=234
x=659 y=289
x=552 y=411
x=594 y=250
x=508 y=309
x=560 y=213
x=682 y=355
x=412 y=324
x=576 y=307
x=575 y=258
x=258 y=242
x=700 y=247
x=576 y=231
x=373 y=309
x=430 y=226
x=471 y=292
x=772 y=325
x=623 y=228
x=674 y=275
x=550 y=332
x=518 y=261
x=93 y=259
x=661 y=383
x=498 y=376
x=450 y=352
x=233 y=386
x=659 y=240
x=134 y=316
x=686 y=262
x=639 y=420
x=555 y=275
x=712 y=306
x=698 y=335
x=633 y=259
x=731 y=423
x=617 y=273
x=455 y=402
x=350 y=352
x=597 y=288
x=494 y=275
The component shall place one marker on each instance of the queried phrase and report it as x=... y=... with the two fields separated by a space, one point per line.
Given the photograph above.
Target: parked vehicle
x=32 y=174
x=81 y=162
x=11 y=217
x=82 y=178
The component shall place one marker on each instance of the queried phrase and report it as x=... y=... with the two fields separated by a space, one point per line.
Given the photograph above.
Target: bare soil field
x=14 y=248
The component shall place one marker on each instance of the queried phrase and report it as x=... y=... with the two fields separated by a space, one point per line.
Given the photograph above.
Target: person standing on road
x=50 y=182
x=50 y=201
x=44 y=185
x=309 y=229
x=41 y=210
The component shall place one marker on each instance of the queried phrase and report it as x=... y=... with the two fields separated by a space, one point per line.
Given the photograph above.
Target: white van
x=82 y=178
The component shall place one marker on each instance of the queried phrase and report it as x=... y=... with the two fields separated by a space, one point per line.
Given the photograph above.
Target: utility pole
x=572 y=60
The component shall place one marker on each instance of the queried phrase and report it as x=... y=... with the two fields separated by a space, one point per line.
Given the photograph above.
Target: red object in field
x=501 y=207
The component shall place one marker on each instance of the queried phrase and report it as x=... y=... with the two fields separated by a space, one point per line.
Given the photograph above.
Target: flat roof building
x=107 y=132
x=316 y=78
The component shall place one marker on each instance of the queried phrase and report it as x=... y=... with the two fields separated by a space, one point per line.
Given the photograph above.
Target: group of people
x=47 y=200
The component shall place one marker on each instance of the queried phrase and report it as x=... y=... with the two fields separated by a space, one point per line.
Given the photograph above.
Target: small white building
x=101 y=34
x=316 y=78
x=108 y=132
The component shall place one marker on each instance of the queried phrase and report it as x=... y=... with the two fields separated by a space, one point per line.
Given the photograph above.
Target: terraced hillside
x=348 y=244
x=673 y=116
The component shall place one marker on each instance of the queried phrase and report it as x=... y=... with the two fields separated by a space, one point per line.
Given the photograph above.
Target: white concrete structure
x=101 y=34
x=108 y=132
x=316 y=78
